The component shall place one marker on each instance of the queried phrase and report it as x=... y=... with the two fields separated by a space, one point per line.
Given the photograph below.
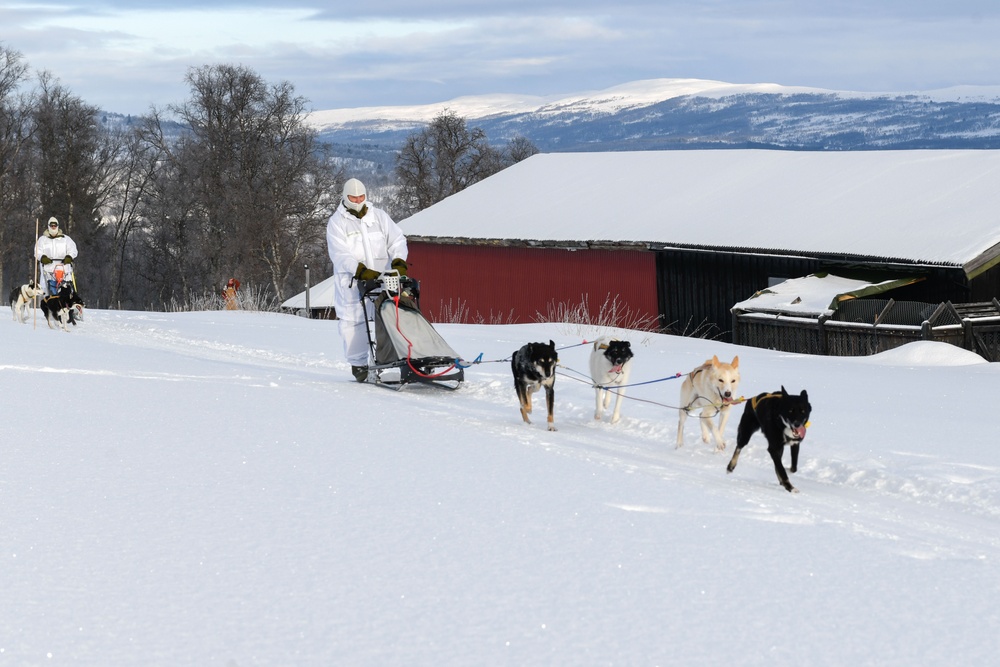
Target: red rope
x=409 y=349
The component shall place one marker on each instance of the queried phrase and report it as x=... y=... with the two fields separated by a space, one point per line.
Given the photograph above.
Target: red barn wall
x=492 y=282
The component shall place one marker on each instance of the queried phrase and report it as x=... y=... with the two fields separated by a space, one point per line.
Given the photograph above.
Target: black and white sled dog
x=62 y=307
x=782 y=418
x=711 y=390
x=534 y=367
x=610 y=366
x=20 y=297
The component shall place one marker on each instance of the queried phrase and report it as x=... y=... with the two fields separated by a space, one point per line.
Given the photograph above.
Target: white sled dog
x=710 y=389
x=20 y=297
x=610 y=366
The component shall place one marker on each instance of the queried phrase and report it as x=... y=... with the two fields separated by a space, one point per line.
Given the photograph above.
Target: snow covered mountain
x=694 y=113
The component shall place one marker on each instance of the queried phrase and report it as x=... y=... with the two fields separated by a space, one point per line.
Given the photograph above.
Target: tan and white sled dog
x=711 y=390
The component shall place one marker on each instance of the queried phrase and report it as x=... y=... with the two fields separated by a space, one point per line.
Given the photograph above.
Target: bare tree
x=74 y=158
x=16 y=221
x=131 y=182
x=446 y=157
x=258 y=175
x=517 y=149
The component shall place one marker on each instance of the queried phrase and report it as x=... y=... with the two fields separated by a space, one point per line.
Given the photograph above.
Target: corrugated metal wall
x=686 y=291
x=491 y=282
x=698 y=288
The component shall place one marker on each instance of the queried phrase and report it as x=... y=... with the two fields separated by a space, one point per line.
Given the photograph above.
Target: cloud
x=128 y=55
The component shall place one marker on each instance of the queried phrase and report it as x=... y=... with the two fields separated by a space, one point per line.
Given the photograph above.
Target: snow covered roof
x=924 y=206
x=815 y=295
x=320 y=296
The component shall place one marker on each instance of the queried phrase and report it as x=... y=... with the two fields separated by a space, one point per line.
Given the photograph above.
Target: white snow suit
x=374 y=240
x=56 y=246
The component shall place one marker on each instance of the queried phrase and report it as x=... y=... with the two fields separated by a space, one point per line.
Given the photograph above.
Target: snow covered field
x=214 y=489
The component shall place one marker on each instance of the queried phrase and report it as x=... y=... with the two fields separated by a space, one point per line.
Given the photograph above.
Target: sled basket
x=401 y=338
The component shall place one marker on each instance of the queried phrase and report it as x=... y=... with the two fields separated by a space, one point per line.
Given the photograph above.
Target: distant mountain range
x=661 y=114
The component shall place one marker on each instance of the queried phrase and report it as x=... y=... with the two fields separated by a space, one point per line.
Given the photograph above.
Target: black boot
x=360 y=373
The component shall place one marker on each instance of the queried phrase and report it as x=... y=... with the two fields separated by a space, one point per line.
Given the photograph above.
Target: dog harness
x=757 y=399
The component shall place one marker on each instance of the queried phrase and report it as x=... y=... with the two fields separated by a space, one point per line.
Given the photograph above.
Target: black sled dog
x=61 y=307
x=534 y=367
x=782 y=418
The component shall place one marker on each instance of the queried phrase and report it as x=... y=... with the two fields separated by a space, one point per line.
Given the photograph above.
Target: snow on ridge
x=634 y=94
x=610 y=100
x=472 y=106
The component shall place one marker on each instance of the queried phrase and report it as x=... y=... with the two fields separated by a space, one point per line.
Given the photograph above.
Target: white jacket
x=55 y=248
x=374 y=240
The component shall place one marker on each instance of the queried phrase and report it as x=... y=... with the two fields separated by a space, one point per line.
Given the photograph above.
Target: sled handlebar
x=390 y=281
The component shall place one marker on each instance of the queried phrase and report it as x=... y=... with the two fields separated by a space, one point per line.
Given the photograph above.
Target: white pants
x=356 y=346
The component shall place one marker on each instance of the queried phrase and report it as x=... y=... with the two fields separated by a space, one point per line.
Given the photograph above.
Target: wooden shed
x=688 y=234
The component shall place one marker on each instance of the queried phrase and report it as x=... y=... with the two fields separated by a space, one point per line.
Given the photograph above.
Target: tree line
x=231 y=182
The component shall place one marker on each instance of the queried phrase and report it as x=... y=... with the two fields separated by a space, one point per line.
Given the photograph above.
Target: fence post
x=308 y=310
x=967 y=339
x=821 y=327
x=925 y=330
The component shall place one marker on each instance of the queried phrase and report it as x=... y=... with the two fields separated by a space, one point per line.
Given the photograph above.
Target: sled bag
x=397 y=329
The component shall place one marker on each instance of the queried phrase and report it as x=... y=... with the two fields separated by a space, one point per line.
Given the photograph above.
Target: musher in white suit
x=363 y=242
x=53 y=248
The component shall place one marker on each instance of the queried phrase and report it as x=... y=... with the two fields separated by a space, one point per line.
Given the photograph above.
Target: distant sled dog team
x=55 y=292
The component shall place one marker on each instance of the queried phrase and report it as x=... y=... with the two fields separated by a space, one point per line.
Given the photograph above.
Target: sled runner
x=404 y=345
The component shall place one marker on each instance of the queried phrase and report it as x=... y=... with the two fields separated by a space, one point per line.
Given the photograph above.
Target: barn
x=676 y=238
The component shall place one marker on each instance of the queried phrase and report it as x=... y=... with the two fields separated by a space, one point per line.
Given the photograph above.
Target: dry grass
x=611 y=319
x=251 y=299
x=450 y=313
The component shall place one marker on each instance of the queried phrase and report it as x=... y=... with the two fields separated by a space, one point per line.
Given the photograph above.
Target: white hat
x=354 y=188
x=53 y=220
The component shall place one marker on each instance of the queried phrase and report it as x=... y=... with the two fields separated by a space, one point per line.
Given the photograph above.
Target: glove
x=364 y=273
x=67 y=260
x=44 y=259
x=399 y=265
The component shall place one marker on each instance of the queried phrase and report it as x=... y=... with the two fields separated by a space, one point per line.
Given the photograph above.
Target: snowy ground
x=215 y=489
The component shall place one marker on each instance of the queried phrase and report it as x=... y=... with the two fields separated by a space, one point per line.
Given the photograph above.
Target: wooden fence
x=851 y=331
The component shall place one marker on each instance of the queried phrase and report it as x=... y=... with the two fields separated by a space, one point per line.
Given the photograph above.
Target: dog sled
x=404 y=346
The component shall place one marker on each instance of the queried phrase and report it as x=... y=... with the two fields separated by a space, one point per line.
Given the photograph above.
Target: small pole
x=34 y=299
x=308 y=312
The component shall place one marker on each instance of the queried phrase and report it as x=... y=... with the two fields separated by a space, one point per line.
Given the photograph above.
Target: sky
x=214 y=488
x=127 y=55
